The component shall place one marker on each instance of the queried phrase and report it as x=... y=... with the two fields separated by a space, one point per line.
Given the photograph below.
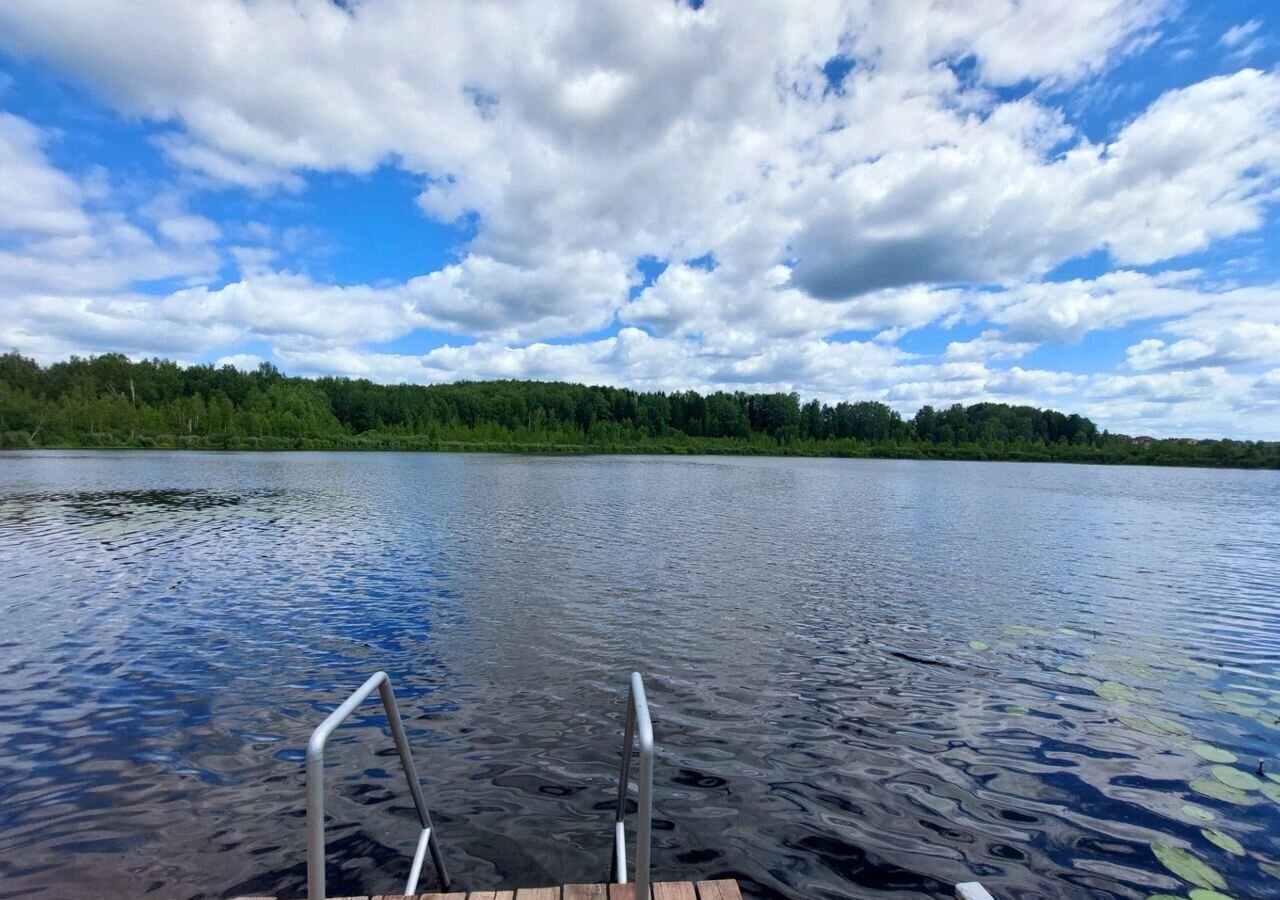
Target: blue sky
x=1070 y=205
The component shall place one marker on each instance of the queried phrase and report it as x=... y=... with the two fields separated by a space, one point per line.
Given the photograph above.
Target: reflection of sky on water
x=179 y=622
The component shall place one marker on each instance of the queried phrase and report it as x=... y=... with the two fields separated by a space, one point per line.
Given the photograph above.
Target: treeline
x=110 y=401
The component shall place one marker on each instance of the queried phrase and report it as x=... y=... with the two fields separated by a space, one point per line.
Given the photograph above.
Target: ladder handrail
x=638 y=724
x=315 y=788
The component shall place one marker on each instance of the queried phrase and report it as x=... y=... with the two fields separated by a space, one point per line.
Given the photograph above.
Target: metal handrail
x=638 y=722
x=315 y=789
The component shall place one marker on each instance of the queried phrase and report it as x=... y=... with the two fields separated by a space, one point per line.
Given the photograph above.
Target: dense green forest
x=110 y=401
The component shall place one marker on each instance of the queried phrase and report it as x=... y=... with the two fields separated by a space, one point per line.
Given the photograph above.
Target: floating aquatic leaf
x=1274 y=777
x=1190 y=810
x=1213 y=754
x=978 y=645
x=1270 y=868
x=1015 y=709
x=1133 y=667
x=1113 y=690
x=1219 y=791
x=1236 y=709
x=1271 y=792
x=1202 y=894
x=1187 y=866
x=1063 y=630
x=1142 y=725
x=1225 y=841
x=1168 y=725
x=1243 y=697
x=1025 y=631
x=1236 y=778
x=1155 y=726
x=1007 y=645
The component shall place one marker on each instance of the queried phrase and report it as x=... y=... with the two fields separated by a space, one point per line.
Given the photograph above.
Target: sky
x=1067 y=203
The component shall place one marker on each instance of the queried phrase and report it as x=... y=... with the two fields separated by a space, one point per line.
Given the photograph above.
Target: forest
x=110 y=401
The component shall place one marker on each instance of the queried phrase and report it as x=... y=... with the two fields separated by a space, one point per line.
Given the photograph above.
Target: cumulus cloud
x=34 y=196
x=577 y=139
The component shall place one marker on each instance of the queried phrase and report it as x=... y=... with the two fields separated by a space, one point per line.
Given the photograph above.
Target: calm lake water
x=868 y=678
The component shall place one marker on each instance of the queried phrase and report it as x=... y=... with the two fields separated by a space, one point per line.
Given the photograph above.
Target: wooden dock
x=726 y=889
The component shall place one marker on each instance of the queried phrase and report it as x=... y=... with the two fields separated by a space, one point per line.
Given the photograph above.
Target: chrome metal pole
x=645 y=811
x=315 y=785
x=619 y=867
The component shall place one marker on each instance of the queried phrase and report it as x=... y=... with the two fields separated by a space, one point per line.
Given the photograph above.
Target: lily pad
x=1025 y=631
x=978 y=645
x=1223 y=840
x=1237 y=709
x=1187 y=866
x=1169 y=726
x=1015 y=709
x=1219 y=791
x=1113 y=690
x=1243 y=697
x=1007 y=645
x=1202 y=894
x=1236 y=778
x=1152 y=725
x=1274 y=777
x=1271 y=792
x=1064 y=630
x=1213 y=754
x=1191 y=811
x=1270 y=868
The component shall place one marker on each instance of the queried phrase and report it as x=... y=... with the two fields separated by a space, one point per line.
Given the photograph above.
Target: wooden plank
x=492 y=895
x=674 y=890
x=456 y=895
x=585 y=892
x=725 y=889
x=624 y=892
x=545 y=893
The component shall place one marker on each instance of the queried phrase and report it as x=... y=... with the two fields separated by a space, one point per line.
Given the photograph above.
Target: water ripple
x=867 y=677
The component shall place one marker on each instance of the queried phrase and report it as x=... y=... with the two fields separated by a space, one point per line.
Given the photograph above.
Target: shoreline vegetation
x=110 y=402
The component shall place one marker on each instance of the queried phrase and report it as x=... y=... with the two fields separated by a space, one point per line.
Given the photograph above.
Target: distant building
x=1143 y=439
x=1189 y=441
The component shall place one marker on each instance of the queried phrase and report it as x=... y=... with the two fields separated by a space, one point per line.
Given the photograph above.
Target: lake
x=869 y=678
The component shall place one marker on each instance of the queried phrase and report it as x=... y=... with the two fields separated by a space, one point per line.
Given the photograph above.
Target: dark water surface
x=868 y=678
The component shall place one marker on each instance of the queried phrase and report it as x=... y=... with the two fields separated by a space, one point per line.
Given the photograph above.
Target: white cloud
x=580 y=137
x=1065 y=311
x=1243 y=40
x=34 y=196
x=990 y=345
x=1238 y=34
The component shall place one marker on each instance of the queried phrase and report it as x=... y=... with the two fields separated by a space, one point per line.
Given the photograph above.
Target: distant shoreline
x=694 y=447
x=113 y=402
